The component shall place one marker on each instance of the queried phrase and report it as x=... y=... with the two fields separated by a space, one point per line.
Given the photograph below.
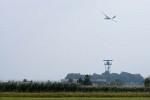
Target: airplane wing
x=105 y=15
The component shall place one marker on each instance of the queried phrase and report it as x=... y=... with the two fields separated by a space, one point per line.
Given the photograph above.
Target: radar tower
x=107 y=64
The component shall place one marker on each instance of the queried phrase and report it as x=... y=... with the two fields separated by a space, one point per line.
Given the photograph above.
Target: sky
x=47 y=39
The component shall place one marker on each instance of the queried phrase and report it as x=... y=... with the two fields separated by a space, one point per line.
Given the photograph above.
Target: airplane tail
x=114 y=17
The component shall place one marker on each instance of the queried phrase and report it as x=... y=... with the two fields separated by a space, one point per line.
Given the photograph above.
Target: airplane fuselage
x=107 y=18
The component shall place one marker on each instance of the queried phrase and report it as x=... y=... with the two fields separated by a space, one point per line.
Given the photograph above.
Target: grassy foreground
x=75 y=94
x=21 y=98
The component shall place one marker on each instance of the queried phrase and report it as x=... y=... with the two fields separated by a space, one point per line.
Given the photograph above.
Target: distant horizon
x=58 y=80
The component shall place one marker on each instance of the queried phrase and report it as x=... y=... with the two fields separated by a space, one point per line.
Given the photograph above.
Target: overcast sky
x=47 y=39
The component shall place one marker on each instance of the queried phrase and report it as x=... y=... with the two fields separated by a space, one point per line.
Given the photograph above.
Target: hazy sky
x=47 y=39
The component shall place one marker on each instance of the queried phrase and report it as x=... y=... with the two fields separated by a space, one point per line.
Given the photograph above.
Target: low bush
x=64 y=87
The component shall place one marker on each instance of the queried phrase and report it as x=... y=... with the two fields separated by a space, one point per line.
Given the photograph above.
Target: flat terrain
x=75 y=94
x=114 y=98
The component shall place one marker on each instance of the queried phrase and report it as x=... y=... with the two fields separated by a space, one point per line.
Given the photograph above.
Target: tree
x=80 y=80
x=24 y=80
x=86 y=80
x=73 y=76
x=147 y=82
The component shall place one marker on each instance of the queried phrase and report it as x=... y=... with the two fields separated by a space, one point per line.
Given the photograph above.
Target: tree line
x=123 y=77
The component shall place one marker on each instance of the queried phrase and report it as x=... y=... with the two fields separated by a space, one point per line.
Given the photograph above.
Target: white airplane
x=109 y=18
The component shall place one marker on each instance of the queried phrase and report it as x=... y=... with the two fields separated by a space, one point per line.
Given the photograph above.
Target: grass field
x=75 y=96
x=114 y=98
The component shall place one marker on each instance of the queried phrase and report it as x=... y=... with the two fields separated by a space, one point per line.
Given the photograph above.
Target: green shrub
x=147 y=82
x=64 y=87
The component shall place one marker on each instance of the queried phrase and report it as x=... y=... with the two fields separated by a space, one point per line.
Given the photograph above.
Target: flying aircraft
x=109 y=18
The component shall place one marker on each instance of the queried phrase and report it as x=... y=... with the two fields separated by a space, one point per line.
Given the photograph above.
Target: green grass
x=75 y=94
x=21 y=98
